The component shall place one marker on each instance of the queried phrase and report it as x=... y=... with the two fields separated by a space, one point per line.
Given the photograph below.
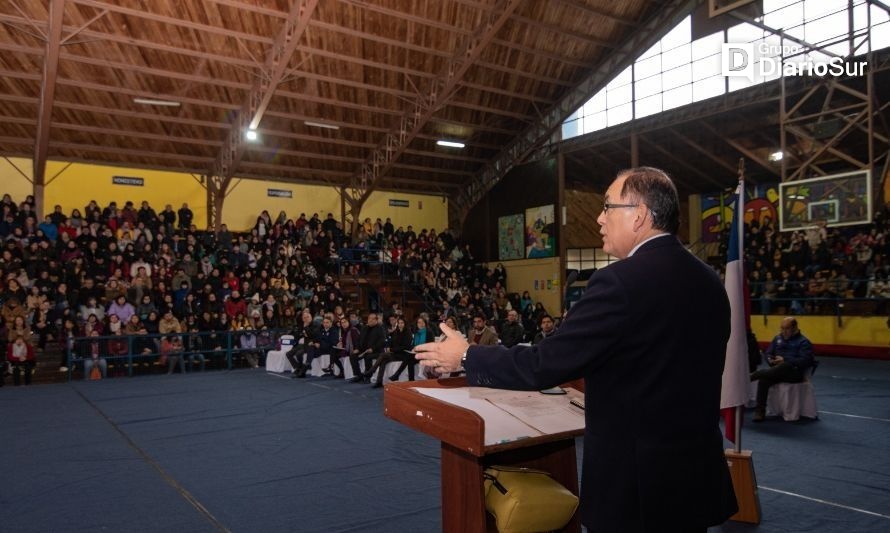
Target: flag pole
x=738 y=410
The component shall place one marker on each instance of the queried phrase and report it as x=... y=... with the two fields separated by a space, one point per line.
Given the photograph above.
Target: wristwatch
x=463 y=358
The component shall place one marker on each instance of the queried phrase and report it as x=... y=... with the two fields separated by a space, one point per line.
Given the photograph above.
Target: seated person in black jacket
x=400 y=342
x=547 y=329
x=512 y=332
x=322 y=343
x=370 y=346
x=305 y=336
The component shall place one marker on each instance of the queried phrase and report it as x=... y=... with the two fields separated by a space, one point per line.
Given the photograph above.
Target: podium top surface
x=480 y=420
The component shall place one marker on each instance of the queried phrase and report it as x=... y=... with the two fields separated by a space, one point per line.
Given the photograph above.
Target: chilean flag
x=735 y=369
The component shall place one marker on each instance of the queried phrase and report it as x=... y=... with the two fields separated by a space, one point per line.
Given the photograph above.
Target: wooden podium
x=465 y=455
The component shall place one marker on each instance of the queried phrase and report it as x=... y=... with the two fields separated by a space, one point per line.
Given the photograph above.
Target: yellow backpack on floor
x=526 y=501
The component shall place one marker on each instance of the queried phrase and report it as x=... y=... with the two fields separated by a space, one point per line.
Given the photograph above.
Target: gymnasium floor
x=249 y=451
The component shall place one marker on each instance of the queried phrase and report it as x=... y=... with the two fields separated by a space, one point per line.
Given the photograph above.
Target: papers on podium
x=513 y=415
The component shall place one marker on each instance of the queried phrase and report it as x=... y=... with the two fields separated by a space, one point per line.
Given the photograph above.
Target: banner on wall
x=510 y=240
x=280 y=193
x=125 y=180
x=540 y=237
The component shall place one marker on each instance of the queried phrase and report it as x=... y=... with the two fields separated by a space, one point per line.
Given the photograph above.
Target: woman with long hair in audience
x=347 y=340
x=133 y=325
x=151 y=322
x=421 y=335
x=92 y=324
x=239 y=322
x=41 y=324
x=145 y=307
x=17 y=327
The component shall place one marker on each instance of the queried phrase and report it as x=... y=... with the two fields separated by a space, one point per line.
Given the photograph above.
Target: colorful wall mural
x=761 y=203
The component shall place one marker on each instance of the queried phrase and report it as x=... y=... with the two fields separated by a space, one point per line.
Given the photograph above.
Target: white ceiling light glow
x=450 y=144
x=152 y=101
x=322 y=125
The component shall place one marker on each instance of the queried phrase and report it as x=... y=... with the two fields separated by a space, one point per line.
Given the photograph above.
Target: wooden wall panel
x=582 y=210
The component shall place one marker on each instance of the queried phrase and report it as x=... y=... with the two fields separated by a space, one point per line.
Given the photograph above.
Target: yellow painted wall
x=11 y=180
x=854 y=330
x=76 y=185
x=521 y=276
x=423 y=211
x=248 y=198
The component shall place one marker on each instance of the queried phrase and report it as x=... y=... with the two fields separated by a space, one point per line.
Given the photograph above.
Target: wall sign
x=280 y=193
x=398 y=203
x=124 y=180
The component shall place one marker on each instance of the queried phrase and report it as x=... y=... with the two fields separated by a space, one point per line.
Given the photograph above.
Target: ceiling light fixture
x=152 y=101
x=450 y=144
x=776 y=156
x=251 y=135
x=321 y=125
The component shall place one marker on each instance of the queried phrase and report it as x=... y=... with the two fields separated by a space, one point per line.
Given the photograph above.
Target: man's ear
x=640 y=219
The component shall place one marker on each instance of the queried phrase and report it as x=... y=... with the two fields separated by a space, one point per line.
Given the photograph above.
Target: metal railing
x=133 y=350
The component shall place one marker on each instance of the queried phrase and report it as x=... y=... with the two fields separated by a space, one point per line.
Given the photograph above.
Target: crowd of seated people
x=115 y=281
x=803 y=271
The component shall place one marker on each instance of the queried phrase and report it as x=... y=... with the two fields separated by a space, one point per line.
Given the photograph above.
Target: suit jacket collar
x=655 y=244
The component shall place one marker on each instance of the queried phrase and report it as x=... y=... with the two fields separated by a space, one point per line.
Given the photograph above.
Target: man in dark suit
x=370 y=345
x=649 y=338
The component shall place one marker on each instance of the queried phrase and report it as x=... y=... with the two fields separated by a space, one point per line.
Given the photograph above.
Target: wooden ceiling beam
x=440 y=155
x=702 y=150
x=173 y=21
x=523 y=74
x=692 y=169
x=741 y=149
x=394 y=13
x=422 y=110
x=277 y=169
x=299 y=153
x=113 y=150
x=250 y=64
x=564 y=32
x=529 y=140
x=47 y=96
x=117 y=112
x=433 y=170
x=590 y=11
x=444 y=54
x=274 y=69
x=428 y=183
x=137 y=134
x=251 y=8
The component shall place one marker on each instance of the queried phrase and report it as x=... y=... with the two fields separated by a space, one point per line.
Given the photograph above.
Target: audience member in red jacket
x=235 y=304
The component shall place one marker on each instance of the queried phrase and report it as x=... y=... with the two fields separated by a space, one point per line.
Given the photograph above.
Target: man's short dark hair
x=480 y=317
x=545 y=316
x=654 y=188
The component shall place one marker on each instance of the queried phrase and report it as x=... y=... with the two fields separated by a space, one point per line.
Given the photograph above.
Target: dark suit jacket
x=649 y=337
x=373 y=338
x=327 y=340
